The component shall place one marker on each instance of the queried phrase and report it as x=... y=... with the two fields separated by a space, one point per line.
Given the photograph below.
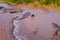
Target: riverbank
x=44 y=7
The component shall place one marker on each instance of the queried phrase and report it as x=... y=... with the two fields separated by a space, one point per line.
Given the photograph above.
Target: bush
x=1 y=7
x=42 y=2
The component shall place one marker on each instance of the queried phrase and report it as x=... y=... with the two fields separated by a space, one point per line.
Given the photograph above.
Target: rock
x=32 y=15
x=25 y=15
x=55 y=25
x=56 y=35
x=12 y=10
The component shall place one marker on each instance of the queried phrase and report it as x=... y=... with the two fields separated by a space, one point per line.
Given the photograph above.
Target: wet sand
x=42 y=20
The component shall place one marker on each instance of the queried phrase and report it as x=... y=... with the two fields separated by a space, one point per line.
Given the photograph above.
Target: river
x=42 y=19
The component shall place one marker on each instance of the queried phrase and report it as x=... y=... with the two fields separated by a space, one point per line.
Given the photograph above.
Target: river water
x=42 y=20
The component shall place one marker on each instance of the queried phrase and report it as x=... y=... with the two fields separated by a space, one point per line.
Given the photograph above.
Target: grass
x=55 y=3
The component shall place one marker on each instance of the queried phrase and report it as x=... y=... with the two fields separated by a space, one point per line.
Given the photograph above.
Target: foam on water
x=17 y=23
x=16 y=33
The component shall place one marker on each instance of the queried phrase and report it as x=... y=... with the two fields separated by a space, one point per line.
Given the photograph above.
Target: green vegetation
x=1 y=7
x=22 y=1
x=41 y=2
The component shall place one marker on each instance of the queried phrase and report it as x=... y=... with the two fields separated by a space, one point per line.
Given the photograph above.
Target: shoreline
x=40 y=6
x=33 y=6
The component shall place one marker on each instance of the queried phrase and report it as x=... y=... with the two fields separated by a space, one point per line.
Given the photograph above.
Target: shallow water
x=4 y=5
x=42 y=20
